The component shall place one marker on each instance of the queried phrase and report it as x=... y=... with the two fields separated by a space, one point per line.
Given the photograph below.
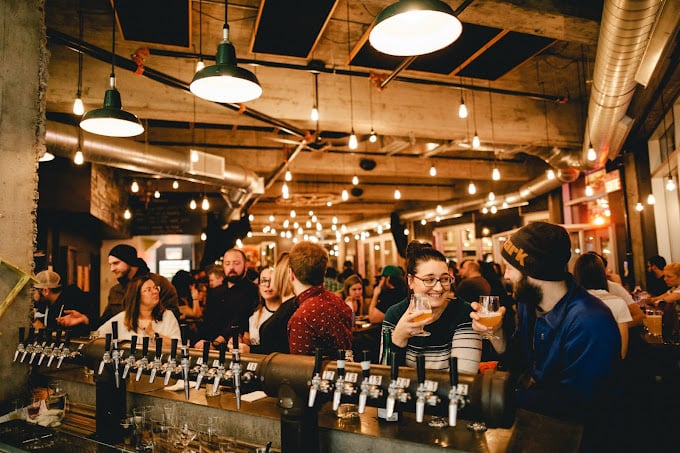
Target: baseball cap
x=47 y=279
x=392 y=271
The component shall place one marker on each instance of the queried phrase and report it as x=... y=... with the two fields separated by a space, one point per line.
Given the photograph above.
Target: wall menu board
x=106 y=196
x=159 y=217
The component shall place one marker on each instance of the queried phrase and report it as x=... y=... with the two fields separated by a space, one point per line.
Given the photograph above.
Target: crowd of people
x=564 y=336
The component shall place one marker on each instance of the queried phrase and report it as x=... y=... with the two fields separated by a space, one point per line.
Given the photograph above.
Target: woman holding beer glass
x=439 y=326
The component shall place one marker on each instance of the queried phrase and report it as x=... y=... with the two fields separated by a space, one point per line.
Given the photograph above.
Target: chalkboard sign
x=163 y=217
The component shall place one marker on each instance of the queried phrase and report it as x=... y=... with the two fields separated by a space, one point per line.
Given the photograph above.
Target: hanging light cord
x=113 y=41
x=474 y=108
x=200 y=30
x=493 y=137
x=351 y=98
x=665 y=138
x=80 y=54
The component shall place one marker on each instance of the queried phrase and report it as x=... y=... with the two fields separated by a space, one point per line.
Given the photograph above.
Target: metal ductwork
x=624 y=34
x=237 y=184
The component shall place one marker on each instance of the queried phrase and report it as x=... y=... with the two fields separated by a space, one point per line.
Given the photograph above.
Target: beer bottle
x=386 y=346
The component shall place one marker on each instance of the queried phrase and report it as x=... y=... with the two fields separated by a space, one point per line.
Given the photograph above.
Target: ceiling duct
x=624 y=34
x=237 y=184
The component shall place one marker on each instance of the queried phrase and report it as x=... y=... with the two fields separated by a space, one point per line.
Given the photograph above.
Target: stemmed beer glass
x=420 y=304
x=489 y=314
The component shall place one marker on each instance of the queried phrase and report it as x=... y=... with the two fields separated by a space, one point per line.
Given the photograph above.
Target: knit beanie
x=540 y=250
x=125 y=253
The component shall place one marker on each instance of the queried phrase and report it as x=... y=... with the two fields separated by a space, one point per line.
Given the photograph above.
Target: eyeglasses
x=265 y=282
x=151 y=288
x=429 y=282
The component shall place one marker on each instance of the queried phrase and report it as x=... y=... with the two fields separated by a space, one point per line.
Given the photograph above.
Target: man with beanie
x=565 y=351
x=60 y=307
x=126 y=266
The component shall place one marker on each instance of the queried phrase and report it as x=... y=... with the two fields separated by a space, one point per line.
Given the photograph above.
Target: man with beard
x=565 y=351
x=60 y=307
x=229 y=304
x=126 y=266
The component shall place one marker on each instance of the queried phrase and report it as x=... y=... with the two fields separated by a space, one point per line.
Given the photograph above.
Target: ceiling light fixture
x=670 y=182
x=175 y=184
x=433 y=171
x=639 y=207
x=415 y=27
x=205 y=204
x=285 y=193
x=192 y=204
x=344 y=195
x=127 y=215
x=550 y=174
x=591 y=155
x=157 y=194
x=134 y=187
x=111 y=120
x=495 y=173
x=472 y=189
x=462 y=109
x=314 y=115
x=353 y=143
x=78 y=157
x=225 y=81
x=200 y=64
x=288 y=176
x=476 y=143
x=78 y=107
x=397 y=194
x=355 y=180
x=651 y=200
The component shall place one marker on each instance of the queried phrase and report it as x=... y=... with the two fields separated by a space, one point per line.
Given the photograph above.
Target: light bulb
x=192 y=204
x=651 y=199
x=433 y=171
x=397 y=194
x=589 y=191
x=288 y=176
x=406 y=232
x=157 y=194
x=492 y=196
x=204 y=236
x=292 y=214
x=355 y=180
x=205 y=204
x=591 y=155
x=78 y=107
x=550 y=174
x=193 y=155
x=670 y=184
x=272 y=218
x=440 y=209
x=200 y=64
x=285 y=192
x=462 y=109
x=485 y=210
x=496 y=174
x=476 y=143
x=639 y=207
x=315 y=114
x=373 y=137
x=472 y=189
x=78 y=158
x=344 y=195
x=493 y=209
x=134 y=187
x=423 y=222
x=353 y=142
x=127 y=215
x=175 y=184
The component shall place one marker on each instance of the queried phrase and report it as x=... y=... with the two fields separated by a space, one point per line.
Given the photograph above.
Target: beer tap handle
x=365 y=364
x=221 y=366
x=318 y=360
x=145 y=346
x=20 y=346
x=365 y=374
x=316 y=378
x=131 y=358
x=453 y=393
x=172 y=361
x=204 y=364
x=234 y=338
x=339 y=382
x=223 y=353
x=143 y=361
x=65 y=351
x=115 y=354
x=114 y=333
x=420 y=392
x=107 y=353
x=236 y=368
x=22 y=332
x=394 y=367
x=185 y=369
x=157 y=359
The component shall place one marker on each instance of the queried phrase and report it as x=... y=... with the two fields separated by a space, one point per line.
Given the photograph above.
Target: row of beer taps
x=341 y=383
x=45 y=344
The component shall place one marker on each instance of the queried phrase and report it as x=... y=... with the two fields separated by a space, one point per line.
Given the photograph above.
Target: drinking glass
x=489 y=314
x=653 y=322
x=420 y=304
x=33 y=408
x=184 y=433
x=142 y=421
x=227 y=445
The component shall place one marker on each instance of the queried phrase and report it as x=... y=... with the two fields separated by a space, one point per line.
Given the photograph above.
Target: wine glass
x=184 y=433
x=489 y=314
x=420 y=304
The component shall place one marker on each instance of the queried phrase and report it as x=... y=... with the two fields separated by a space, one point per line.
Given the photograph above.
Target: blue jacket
x=571 y=356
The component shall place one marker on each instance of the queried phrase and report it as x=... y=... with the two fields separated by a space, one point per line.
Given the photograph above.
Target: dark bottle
x=385 y=355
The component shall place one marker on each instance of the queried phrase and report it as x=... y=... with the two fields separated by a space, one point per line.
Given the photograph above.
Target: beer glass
x=489 y=314
x=420 y=304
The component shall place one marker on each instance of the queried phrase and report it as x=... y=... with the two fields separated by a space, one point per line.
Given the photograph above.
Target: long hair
x=419 y=252
x=280 y=277
x=349 y=282
x=132 y=300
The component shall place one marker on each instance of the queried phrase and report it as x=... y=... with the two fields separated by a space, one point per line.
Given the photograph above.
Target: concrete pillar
x=23 y=62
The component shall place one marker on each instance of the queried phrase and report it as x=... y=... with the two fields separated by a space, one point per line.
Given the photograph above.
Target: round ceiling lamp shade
x=111 y=120
x=224 y=81
x=415 y=27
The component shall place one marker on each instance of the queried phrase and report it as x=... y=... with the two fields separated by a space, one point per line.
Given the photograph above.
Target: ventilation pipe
x=237 y=184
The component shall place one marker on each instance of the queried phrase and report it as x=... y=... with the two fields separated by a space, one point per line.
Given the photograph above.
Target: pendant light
x=651 y=200
x=111 y=120
x=288 y=176
x=476 y=143
x=414 y=27
x=372 y=137
x=314 y=115
x=192 y=204
x=225 y=81
x=353 y=143
x=127 y=215
x=670 y=182
x=472 y=189
x=591 y=155
x=78 y=107
x=462 y=108
x=134 y=187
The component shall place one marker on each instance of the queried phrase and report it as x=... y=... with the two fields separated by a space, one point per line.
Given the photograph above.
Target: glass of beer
x=653 y=322
x=489 y=314
x=420 y=304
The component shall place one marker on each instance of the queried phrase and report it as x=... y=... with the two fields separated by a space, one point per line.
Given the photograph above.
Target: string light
x=472 y=189
x=175 y=184
x=651 y=200
x=353 y=141
x=285 y=193
x=134 y=187
x=192 y=204
x=433 y=171
x=288 y=176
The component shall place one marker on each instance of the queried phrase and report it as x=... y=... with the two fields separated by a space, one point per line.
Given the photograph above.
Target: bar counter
x=258 y=422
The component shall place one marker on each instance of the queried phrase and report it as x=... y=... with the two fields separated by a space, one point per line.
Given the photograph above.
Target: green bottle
x=386 y=347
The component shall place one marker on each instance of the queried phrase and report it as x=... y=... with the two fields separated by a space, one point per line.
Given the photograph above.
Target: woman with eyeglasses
x=144 y=314
x=449 y=327
x=270 y=301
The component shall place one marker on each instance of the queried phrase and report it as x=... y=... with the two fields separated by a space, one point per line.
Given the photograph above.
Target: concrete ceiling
x=533 y=100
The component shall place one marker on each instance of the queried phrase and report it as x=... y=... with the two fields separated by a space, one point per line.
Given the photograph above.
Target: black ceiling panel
x=290 y=28
x=509 y=52
x=156 y=21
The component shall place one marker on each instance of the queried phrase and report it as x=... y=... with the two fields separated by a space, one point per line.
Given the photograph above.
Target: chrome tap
x=220 y=368
x=48 y=346
x=345 y=384
x=106 y=358
x=236 y=369
x=29 y=345
x=38 y=345
x=131 y=359
x=204 y=367
x=370 y=385
x=171 y=364
x=143 y=361
x=396 y=392
x=56 y=351
x=20 y=347
x=426 y=393
x=157 y=362
x=318 y=383
x=457 y=392
x=65 y=351
x=116 y=355
x=186 y=361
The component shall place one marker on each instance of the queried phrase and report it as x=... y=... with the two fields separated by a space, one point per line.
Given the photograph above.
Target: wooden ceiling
x=521 y=67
